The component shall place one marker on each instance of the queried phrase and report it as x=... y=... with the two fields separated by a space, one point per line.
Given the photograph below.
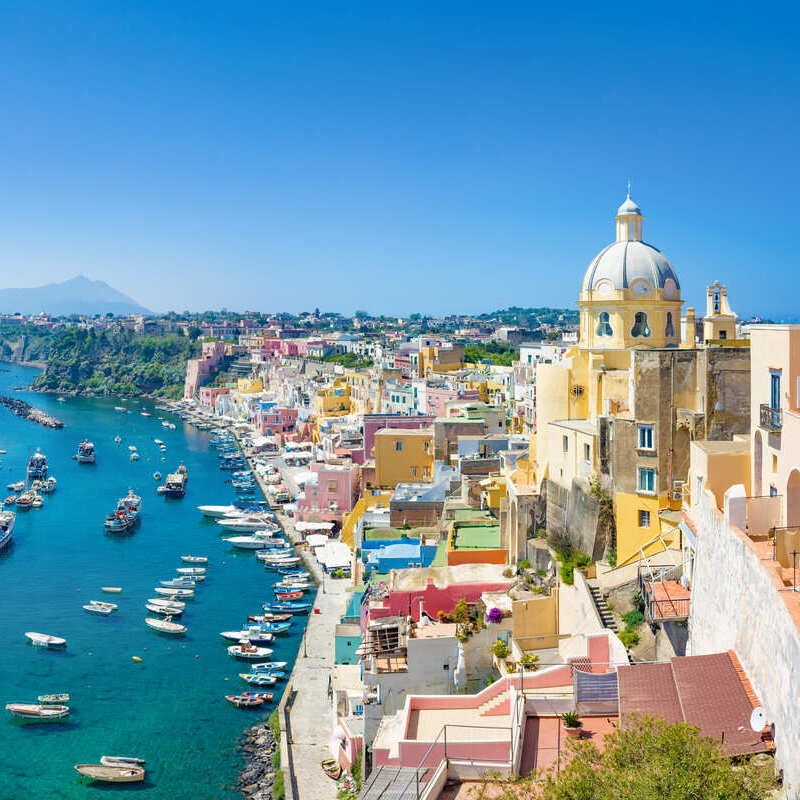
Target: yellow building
x=363 y=390
x=622 y=407
x=440 y=359
x=334 y=401
x=403 y=456
x=249 y=385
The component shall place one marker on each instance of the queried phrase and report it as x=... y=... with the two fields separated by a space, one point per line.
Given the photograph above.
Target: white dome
x=625 y=263
x=629 y=207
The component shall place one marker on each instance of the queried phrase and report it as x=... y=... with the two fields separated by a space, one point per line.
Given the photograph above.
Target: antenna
x=758 y=719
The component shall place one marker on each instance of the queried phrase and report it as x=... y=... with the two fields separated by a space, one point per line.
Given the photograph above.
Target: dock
x=27 y=411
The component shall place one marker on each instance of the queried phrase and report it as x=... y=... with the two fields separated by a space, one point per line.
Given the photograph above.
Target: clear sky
x=432 y=157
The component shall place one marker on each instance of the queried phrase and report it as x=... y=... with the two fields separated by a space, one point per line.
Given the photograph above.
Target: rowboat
x=38 y=713
x=162 y=603
x=184 y=582
x=194 y=559
x=111 y=589
x=251 y=636
x=44 y=640
x=279 y=675
x=53 y=699
x=332 y=768
x=289 y=607
x=240 y=701
x=255 y=679
x=258 y=695
x=291 y=595
x=275 y=627
x=186 y=594
x=102 y=609
x=121 y=761
x=262 y=618
x=165 y=626
x=111 y=774
x=169 y=611
x=191 y=570
x=267 y=666
x=247 y=651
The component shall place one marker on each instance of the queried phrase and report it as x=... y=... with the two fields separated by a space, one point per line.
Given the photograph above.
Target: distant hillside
x=76 y=296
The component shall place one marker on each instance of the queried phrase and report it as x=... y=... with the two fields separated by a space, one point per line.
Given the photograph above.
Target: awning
x=313 y=526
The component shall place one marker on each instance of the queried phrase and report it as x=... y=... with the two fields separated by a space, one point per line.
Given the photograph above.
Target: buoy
x=169 y=648
x=136 y=658
x=197 y=656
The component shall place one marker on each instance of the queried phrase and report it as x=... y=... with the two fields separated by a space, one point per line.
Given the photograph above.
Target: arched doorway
x=758 y=465
x=793 y=499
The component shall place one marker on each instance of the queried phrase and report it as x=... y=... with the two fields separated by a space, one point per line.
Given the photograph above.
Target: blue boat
x=293 y=573
x=271 y=627
x=288 y=607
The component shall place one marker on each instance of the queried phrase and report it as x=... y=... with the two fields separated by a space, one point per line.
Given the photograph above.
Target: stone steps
x=603 y=610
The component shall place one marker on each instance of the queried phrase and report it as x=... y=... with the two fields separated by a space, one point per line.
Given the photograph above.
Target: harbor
x=133 y=690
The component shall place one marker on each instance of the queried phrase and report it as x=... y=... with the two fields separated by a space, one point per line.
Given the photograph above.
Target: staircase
x=602 y=607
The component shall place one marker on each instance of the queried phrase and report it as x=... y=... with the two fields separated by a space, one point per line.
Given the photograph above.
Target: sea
x=170 y=707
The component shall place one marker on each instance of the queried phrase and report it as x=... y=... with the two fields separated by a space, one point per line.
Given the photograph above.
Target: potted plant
x=572 y=723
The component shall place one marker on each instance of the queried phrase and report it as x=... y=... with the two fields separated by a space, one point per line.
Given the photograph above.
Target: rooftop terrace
x=477 y=537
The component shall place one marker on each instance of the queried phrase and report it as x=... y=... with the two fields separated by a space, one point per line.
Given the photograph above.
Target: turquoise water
x=169 y=709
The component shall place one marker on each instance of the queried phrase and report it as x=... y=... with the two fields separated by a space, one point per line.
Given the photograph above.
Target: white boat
x=98 y=607
x=38 y=501
x=40 y=713
x=121 y=761
x=286 y=562
x=207 y=511
x=158 y=442
x=162 y=603
x=194 y=559
x=7 y=521
x=134 y=456
x=132 y=448
x=191 y=570
x=117 y=439
x=252 y=636
x=169 y=611
x=165 y=626
x=249 y=523
x=111 y=774
x=246 y=542
x=186 y=594
x=111 y=589
x=145 y=413
x=45 y=640
x=185 y=582
x=247 y=651
x=20 y=485
x=120 y=408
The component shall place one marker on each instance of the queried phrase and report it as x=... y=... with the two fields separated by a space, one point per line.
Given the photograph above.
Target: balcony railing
x=771 y=418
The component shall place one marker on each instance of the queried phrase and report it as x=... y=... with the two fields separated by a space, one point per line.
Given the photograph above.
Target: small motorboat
x=169 y=611
x=268 y=666
x=290 y=595
x=286 y=561
x=16 y=487
x=10 y=500
x=186 y=594
x=45 y=640
x=180 y=583
x=38 y=713
x=191 y=570
x=37 y=502
x=111 y=589
x=102 y=609
x=122 y=761
x=53 y=699
x=332 y=768
x=264 y=618
x=162 y=603
x=117 y=439
x=288 y=607
x=111 y=773
x=256 y=679
x=240 y=701
x=266 y=696
x=248 y=652
x=251 y=636
x=134 y=457
x=207 y=511
x=194 y=559
x=165 y=625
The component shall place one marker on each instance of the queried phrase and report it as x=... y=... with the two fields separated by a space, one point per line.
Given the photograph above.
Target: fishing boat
x=240 y=701
x=186 y=594
x=262 y=619
x=254 y=679
x=161 y=602
x=284 y=595
x=25 y=500
x=279 y=675
x=194 y=559
x=38 y=713
x=100 y=608
x=191 y=570
x=289 y=607
x=103 y=773
x=7 y=521
x=167 y=611
x=159 y=442
x=332 y=768
x=132 y=502
x=248 y=652
x=45 y=640
x=184 y=582
x=267 y=696
x=85 y=454
x=118 y=522
x=175 y=484
x=267 y=666
x=121 y=761
x=37 y=466
x=292 y=585
x=53 y=699
x=165 y=626
x=255 y=637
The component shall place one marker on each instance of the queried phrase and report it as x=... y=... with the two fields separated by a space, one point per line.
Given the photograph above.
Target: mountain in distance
x=79 y=295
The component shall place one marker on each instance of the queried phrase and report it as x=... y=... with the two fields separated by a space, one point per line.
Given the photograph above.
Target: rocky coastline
x=27 y=411
x=259 y=748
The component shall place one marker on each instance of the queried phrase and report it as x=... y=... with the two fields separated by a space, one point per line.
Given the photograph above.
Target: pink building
x=199 y=369
x=437 y=396
x=292 y=347
x=275 y=420
x=208 y=395
x=377 y=422
x=330 y=493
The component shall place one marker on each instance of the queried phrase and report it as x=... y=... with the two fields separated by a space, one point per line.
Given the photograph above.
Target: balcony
x=771 y=418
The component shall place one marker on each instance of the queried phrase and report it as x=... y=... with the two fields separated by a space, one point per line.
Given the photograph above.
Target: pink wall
x=434 y=599
x=377 y=422
x=276 y=420
x=319 y=496
x=437 y=397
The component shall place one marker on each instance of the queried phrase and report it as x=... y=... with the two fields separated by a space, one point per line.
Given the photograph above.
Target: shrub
x=638 y=601
x=523 y=563
x=632 y=619
x=511 y=666
x=529 y=661
x=461 y=611
x=612 y=557
x=500 y=649
x=508 y=573
x=582 y=559
x=629 y=638
x=568 y=574
x=570 y=720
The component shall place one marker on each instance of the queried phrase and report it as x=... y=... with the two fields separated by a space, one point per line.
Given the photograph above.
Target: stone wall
x=574 y=512
x=737 y=604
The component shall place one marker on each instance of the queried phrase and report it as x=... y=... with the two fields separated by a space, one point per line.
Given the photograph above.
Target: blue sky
x=431 y=157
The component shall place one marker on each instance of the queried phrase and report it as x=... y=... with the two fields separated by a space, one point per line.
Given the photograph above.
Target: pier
x=27 y=411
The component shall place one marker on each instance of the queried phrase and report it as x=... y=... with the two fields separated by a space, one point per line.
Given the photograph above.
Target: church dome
x=629 y=207
x=623 y=264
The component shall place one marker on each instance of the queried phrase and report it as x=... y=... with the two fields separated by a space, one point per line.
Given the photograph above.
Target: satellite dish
x=758 y=719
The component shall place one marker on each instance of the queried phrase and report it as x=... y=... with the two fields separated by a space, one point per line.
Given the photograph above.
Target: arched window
x=603 y=325
x=640 y=326
x=669 y=330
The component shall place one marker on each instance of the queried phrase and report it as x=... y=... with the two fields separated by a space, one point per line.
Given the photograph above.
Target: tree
x=648 y=759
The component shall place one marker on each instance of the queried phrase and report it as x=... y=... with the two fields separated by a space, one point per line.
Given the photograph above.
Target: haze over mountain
x=79 y=295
